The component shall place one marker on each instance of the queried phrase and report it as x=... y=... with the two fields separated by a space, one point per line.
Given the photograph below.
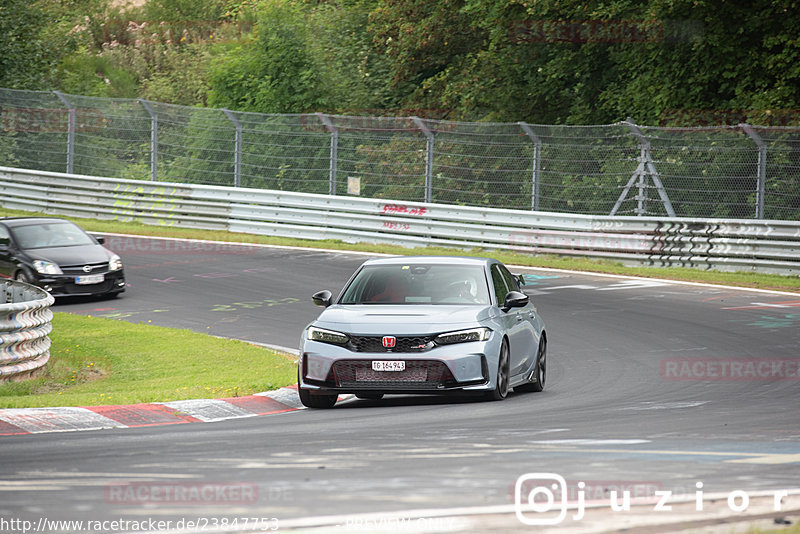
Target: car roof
x=431 y=260
x=24 y=221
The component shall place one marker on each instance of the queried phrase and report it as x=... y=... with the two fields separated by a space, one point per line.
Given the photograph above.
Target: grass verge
x=96 y=361
x=794 y=529
x=738 y=279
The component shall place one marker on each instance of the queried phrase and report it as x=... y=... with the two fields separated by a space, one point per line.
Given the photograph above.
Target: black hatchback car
x=59 y=257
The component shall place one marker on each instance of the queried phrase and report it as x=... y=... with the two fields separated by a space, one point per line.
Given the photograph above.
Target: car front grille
x=77 y=270
x=418 y=375
x=403 y=344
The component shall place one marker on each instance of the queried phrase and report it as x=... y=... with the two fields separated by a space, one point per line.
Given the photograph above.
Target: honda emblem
x=389 y=341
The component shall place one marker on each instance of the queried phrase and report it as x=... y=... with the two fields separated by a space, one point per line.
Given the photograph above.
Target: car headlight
x=46 y=267
x=115 y=263
x=326 y=336
x=464 y=336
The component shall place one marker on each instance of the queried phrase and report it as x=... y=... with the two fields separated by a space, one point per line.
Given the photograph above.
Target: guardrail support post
x=70 y=132
x=334 y=158
x=537 y=156
x=428 y=159
x=237 y=154
x=153 y=139
x=762 y=168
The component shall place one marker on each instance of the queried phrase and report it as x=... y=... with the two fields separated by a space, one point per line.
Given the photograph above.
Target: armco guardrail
x=25 y=318
x=736 y=244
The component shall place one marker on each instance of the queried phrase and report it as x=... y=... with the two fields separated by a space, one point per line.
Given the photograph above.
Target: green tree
x=593 y=62
x=26 y=56
x=277 y=73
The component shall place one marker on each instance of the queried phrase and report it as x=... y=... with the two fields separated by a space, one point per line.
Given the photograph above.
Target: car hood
x=416 y=319
x=77 y=255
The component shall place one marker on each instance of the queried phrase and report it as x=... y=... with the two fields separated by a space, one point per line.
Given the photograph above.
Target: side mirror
x=514 y=299
x=322 y=298
x=100 y=239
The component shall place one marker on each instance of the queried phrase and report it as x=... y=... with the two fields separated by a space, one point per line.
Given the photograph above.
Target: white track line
x=380 y=254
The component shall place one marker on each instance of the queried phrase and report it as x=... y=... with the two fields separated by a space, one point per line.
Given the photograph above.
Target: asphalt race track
x=651 y=385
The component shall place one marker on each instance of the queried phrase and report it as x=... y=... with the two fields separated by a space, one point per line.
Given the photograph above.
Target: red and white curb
x=15 y=421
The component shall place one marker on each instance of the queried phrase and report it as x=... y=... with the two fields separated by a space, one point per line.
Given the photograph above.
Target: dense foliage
x=660 y=62
x=547 y=61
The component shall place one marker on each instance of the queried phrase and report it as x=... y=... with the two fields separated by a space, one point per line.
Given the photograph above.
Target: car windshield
x=418 y=284
x=50 y=234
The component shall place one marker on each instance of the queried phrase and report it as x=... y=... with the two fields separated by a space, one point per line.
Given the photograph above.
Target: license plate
x=89 y=279
x=388 y=365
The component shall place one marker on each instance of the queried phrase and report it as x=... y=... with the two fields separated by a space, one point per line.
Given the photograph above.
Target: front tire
x=314 y=401
x=22 y=276
x=500 y=391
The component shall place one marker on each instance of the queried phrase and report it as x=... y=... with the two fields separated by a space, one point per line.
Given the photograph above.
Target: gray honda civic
x=423 y=324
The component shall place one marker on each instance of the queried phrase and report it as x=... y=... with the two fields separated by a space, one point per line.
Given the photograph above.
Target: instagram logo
x=536 y=494
x=542 y=499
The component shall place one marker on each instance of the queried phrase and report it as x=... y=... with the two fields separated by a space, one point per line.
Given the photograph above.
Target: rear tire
x=540 y=371
x=500 y=391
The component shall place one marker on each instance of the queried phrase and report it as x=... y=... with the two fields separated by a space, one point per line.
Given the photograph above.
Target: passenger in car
x=395 y=290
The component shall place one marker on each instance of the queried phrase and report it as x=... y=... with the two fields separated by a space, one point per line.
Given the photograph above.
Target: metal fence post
x=70 y=132
x=334 y=158
x=237 y=155
x=537 y=156
x=428 y=158
x=762 y=168
x=641 y=197
x=639 y=177
x=153 y=139
x=591 y=169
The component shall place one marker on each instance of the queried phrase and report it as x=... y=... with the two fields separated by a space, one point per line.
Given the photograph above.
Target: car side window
x=500 y=288
x=5 y=238
x=511 y=280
